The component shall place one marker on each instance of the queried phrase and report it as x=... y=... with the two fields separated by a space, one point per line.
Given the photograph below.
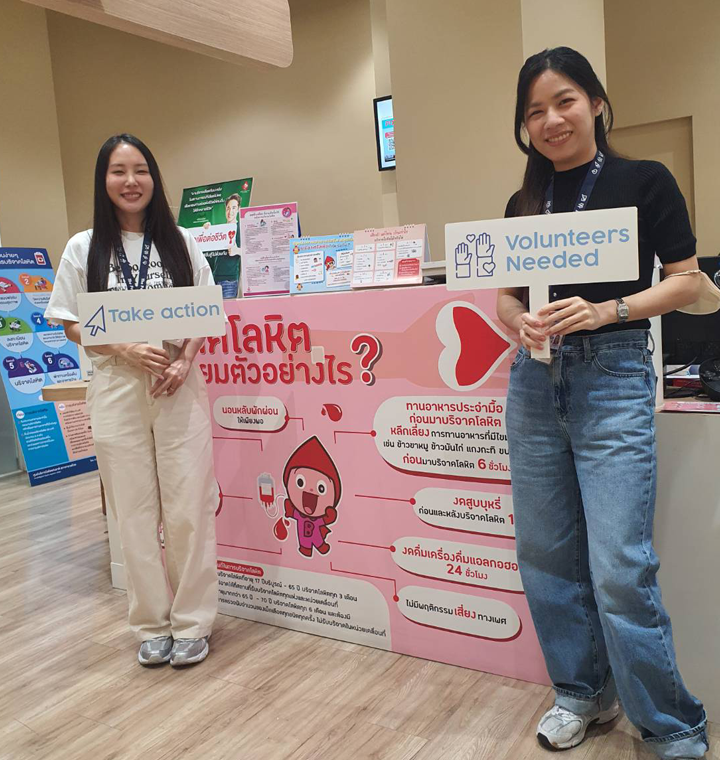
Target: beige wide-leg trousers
x=156 y=463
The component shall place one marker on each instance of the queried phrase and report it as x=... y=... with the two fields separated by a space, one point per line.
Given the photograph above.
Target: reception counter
x=687 y=538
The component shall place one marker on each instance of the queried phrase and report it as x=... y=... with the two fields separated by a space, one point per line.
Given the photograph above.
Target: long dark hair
x=158 y=220
x=539 y=170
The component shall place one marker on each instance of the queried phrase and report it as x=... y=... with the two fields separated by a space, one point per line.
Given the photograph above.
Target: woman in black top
x=581 y=428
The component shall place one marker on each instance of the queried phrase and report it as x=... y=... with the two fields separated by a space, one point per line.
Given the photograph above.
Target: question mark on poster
x=370 y=349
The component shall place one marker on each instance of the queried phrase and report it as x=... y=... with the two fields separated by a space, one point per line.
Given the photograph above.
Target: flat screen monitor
x=385 y=133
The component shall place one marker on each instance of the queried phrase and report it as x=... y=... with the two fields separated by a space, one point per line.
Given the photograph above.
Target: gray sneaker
x=562 y=729
x=155 y=651
x=189 y=651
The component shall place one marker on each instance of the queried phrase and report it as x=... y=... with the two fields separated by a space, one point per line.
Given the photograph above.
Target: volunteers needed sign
x=538 y=252
x=151 y=316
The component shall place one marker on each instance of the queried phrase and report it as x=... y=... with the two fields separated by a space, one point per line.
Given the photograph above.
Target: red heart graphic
x=480 y=346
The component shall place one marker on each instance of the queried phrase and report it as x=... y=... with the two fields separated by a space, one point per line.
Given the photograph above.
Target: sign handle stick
x=538 y=299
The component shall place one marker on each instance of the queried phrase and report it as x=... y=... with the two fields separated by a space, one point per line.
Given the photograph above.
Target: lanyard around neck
x=144 y=264
x=586 y=189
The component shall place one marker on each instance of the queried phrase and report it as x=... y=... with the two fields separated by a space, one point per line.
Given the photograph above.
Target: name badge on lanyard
x=126 y=270
x=586 y=189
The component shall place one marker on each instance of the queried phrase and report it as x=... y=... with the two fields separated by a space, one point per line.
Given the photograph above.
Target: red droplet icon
x=333 y=411
x=280 y=529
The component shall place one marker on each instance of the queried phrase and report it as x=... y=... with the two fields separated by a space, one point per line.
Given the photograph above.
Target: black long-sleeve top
x=663 y=224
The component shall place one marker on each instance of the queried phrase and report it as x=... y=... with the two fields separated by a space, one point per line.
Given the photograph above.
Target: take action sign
x=538 y=252
x=151 y=316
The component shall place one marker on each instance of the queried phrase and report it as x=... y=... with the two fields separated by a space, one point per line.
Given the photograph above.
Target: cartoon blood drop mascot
x=313 y=489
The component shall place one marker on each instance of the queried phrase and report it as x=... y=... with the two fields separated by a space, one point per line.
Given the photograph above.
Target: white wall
x=305 y=133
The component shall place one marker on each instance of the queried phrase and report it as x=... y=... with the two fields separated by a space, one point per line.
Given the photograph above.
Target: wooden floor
x=71 y=688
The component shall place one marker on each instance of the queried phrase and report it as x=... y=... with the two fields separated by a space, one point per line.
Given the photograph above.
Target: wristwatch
x=623 y=312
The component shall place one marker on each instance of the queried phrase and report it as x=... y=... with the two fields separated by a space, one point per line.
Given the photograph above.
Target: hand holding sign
x=571 y=315
x=172 y=378
x=150 y=359
x=532 y=332
x=537 y=252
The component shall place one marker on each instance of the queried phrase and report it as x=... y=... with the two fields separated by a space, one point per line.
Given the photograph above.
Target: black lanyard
x=585 y=190
x=144 y=265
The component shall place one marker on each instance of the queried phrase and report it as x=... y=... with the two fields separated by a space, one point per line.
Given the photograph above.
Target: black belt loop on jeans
x=588 y=350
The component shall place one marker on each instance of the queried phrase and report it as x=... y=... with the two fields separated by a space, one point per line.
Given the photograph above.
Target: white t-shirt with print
x=71 y=277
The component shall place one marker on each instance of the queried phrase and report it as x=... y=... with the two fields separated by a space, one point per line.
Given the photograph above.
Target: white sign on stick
x=151 y=316
x=538 y=252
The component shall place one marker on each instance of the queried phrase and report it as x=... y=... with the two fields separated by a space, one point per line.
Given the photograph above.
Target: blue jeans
x=582 y=456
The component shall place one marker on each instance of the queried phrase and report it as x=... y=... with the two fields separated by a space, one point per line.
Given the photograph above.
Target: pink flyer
x=361 y=454
x=75 y=425
x=265 y=233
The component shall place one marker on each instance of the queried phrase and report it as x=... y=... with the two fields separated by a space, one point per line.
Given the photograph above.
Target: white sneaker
x=562 y=729
x=155 y=651
x=189 y=651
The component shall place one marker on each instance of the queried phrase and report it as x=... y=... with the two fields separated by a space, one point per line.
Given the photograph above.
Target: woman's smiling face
x=560 y=120
x=128 y=181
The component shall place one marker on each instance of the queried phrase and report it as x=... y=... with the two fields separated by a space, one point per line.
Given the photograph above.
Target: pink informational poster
x=75 y=425
x=361 y=454
x=389 y=256
x=265 y=232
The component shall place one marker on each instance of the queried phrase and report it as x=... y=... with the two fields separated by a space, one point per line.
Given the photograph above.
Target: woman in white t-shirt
x=148 y=408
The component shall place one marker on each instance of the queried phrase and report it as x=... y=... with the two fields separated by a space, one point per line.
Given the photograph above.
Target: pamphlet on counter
x=321 y=264
x=389 y=256
x=266 y=232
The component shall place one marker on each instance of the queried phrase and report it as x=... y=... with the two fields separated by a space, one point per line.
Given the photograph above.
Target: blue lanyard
x=144 y=265
x=586 y=189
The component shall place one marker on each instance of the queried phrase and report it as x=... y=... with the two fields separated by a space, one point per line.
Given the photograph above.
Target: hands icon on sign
x=463 y=261
x=483 y=254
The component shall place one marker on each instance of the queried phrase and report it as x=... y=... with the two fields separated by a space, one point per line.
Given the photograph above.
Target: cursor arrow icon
x=96 y=322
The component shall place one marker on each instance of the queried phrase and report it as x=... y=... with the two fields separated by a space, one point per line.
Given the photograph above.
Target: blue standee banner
x=56 y=439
